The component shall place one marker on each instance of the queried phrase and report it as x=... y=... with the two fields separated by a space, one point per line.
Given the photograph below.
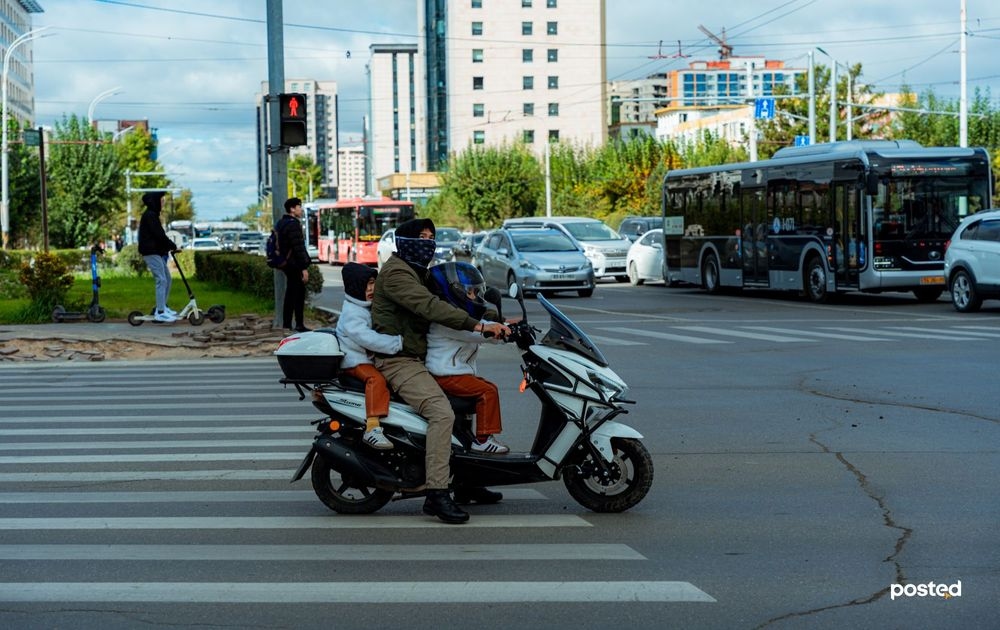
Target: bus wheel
x=710 y=274
x=927 y=294
x=815 y=280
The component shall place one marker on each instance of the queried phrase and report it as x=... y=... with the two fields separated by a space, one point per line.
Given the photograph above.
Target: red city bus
x=348 y=230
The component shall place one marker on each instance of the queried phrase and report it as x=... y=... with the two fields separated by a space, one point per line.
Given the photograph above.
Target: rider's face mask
x=419 y=251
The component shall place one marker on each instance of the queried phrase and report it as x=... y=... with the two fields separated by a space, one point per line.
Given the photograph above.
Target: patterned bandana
x=418 y=251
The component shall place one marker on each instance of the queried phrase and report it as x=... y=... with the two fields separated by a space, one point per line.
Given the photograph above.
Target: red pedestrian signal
x=293 y=119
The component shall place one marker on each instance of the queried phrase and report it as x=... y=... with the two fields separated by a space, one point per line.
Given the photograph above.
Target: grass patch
x=120 y=294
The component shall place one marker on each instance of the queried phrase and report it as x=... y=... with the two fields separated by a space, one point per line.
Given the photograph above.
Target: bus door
x=849 y=242
x=754 y=237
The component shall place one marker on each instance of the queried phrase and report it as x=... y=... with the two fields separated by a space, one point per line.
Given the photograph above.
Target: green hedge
x=243 y=272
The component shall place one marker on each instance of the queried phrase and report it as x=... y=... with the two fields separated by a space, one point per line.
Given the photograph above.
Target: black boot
x=438 y=503
x=483 y=496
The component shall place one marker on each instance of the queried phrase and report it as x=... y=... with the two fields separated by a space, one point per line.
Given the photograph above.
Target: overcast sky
x=192 y=67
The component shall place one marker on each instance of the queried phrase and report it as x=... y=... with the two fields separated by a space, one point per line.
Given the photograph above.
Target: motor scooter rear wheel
x=340 y=494
x=629 y=478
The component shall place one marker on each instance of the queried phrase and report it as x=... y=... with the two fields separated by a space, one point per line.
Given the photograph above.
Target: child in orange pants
x=357 y=340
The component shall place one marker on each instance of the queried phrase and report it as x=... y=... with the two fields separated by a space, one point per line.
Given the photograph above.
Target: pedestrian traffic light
x=293 y=119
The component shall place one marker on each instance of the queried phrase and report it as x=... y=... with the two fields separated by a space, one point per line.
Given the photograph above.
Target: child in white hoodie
x=358 y=340
x=451 y=354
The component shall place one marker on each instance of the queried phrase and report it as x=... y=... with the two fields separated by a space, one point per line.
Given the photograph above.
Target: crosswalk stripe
x=743 y=335
x=206 y=496
x=153 y=457
x=809 y=333
x=65 y=432
x=614 y=341
x=190 y=399
x=76 y=476
x=363 y=553
x=131 y=406
x=373 y=521
x=893 y=333
x=960 y=332
x=145 y=444
x=663 y=335
x=354 y=592
x=298 y=413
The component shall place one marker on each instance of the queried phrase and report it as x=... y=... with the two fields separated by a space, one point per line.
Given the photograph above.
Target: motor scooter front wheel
x=340 y=494
x=627 y=480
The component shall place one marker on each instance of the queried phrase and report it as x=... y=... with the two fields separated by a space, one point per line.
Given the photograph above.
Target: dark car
x=634 y=227
x=445 y=239
x=466 y=246
x=250 y=242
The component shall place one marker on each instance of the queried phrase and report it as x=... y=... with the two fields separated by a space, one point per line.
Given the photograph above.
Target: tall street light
x=833 y=95
x=4 y=146
x=100 y=97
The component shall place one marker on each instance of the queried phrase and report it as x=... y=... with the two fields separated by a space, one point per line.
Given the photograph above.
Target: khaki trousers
x=410 y=379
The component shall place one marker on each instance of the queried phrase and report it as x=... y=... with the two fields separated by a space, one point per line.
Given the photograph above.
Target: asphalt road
x=807 y=459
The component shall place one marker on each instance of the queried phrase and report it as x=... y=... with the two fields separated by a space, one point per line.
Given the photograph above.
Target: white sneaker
x=375 y=439
x=490 y=447
x=164 y=318
x=170 y=311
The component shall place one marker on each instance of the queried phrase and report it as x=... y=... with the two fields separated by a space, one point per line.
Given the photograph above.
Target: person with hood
x=155 y=247
x=357 y=340
x=296 y=270
x=404 y=305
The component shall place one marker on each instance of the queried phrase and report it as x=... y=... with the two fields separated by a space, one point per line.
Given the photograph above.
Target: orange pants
x=376 y=391
x=487 y=399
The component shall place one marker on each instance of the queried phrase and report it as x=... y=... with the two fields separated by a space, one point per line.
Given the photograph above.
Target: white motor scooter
x=602 y=463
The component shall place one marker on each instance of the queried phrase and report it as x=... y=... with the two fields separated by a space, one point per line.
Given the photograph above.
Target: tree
x=85 y=183
x=24 y=191
x=490 y=184
x=304 y=176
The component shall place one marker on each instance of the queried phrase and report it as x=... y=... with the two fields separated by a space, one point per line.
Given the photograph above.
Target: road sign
x=32 y=137
x=801 y=141
x=763 y=108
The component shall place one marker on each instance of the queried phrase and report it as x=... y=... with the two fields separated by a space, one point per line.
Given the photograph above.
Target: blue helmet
x=461 y=285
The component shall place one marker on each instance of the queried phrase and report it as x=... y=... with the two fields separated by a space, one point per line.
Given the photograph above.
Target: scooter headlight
x=611 y=388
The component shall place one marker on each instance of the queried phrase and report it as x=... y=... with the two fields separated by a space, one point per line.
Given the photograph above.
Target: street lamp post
x=4 y=146
x=100 y=97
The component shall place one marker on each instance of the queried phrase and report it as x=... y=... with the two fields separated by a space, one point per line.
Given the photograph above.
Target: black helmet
x=461 y=285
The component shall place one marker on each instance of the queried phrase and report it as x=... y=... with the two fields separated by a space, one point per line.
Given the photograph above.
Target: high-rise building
x=725 y=82
x=15 y=17
x=502 y=72
x=321 y=131
x=352 y=172
x=396 y=136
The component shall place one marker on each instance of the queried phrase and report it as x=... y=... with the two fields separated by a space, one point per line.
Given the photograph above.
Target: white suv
x=972 y=261
x=605 y=248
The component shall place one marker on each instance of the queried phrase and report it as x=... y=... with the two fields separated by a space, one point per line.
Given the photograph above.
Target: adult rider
x=403 y=305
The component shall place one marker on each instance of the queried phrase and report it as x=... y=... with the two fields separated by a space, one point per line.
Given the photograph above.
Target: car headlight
x=527 y=264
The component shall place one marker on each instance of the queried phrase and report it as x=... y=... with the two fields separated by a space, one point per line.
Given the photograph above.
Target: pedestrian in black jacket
x=297 y=268
x=155 y=246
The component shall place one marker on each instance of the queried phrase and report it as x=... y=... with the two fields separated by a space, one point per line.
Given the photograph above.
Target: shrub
x=46 y=279
x=130 y=259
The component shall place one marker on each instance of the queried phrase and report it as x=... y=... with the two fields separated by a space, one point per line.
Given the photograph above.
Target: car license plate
x=932 y=280
x=562 y=276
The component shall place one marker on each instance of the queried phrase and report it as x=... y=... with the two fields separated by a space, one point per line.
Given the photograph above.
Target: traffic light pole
x=278 y=155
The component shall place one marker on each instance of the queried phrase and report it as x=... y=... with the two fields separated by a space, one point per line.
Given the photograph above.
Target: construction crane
x=725 y=50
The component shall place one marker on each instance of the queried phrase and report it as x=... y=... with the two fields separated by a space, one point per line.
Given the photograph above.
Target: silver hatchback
x=972 y=261
x=542 y=260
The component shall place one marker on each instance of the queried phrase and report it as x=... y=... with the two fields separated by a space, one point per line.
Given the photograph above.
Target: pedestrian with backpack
x=292 y=246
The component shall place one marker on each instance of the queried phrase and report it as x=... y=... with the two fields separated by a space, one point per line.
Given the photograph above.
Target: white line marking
x=353 y=592
x=152 y=457
x=132 y=406
x=285 y=522
x=207 y=496
x=364 y=553
x=663 y=335
x=891 y=333
x=959 y=332
x=74 y=477
x=614 y=341
x=150 y=421
x=743 y=335
x=308 y=432
x=814 y=334
x=147 y=444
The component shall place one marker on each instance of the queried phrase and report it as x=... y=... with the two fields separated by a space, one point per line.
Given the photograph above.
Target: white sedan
x=205 y=245
x=645 y=258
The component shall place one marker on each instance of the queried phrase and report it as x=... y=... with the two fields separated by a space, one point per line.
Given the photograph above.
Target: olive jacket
x=403 y=305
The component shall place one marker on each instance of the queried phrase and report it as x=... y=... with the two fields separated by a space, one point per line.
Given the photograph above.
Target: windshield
x=551 y=242
x=591 y=231
x=564 y=334
x=925 y=207
x=447 y=235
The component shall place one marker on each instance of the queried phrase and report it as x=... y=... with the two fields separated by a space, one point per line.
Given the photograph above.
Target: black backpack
x=276 y=257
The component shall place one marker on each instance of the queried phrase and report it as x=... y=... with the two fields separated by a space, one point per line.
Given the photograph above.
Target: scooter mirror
x=493 y=296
